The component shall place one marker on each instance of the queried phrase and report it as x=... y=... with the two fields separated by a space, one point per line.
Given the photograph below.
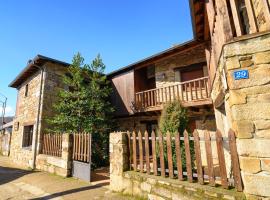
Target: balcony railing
x=189 y=93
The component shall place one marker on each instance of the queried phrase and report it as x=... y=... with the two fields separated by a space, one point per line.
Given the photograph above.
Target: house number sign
x=240 y=74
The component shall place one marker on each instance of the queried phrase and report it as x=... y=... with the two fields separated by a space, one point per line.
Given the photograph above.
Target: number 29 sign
x=240 y=74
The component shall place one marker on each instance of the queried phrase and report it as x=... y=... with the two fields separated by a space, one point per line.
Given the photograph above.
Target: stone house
x=238 y=59
x=232 y=46
x=37 y=87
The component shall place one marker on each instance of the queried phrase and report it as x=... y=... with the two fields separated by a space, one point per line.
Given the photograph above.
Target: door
x=81 y=163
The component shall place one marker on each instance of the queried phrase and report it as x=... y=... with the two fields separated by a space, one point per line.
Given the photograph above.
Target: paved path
x=19 y=184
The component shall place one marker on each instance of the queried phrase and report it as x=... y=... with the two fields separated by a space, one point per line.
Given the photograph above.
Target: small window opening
x=27 y=136
x=26 y=90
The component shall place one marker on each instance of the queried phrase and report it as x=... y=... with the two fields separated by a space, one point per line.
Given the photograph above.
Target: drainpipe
x=41 y=89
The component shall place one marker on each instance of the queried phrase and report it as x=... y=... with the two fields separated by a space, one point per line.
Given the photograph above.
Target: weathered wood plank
x=188 y=157
x=221 y=159
x=198 y=156
x=211 y=15
x=169 y=154
x=251 y=17
x=209 y=158
x=154 y=154
x=146 y=136
x=235 y=161
x=141 y=151
x=266 y=10
x=129 y=149
x=161 y=154
x=222 y=11
x=236 y=17
x=178 y=157
x=134 y=151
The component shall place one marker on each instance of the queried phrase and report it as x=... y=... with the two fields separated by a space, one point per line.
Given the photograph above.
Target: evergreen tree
x=84 y=105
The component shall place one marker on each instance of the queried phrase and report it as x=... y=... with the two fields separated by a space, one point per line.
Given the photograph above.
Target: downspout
x=36 y=136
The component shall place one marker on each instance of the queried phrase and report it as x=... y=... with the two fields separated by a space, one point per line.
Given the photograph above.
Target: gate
x=81 y=163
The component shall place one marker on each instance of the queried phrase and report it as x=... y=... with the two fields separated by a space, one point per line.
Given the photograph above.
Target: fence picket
x=169 y=155
x=209 y=158
x=235 y=161
x=198 y=156
x=188 y=157
x=161 y=154
x=154 y=155
x=134 y=151
x=129 y=149
x=221 y=159
x=178 y=157
x=140 y=150
x=146 y=136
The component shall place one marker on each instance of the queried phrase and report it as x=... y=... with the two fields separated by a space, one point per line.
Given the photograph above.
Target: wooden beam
x=251 y=17
x=236 y=17
x=211 y=14
x=223 y=13
x=266 y=13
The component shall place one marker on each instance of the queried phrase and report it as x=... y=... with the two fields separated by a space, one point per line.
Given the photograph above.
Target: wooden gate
x=81 y=164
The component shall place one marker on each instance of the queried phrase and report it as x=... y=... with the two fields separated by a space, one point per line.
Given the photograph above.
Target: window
x=26 y=90
x=27 y=136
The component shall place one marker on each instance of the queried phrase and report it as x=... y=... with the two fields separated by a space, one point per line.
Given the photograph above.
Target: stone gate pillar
x=243 y=104
x=118 y=159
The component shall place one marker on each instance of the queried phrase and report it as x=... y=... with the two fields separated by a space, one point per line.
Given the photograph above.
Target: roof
x=32 y=67
x=7 y=125
x=199 y=19
x=7 y=120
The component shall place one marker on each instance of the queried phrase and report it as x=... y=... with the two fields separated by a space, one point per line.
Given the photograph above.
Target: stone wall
x=57 y=165
x=26 y=114
x=27 y=109
x=167 y=66
x=153 y=187
x=246 y=108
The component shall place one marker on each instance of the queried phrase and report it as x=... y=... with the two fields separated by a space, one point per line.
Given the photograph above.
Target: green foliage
x=84 y=105
x=173 y=118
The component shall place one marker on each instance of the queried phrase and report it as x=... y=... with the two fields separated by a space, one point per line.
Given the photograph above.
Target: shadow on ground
x=100 y=174
x=10 y=174
x=72 y=191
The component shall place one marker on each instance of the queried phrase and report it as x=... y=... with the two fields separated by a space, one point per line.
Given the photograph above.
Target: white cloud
x=9 y=111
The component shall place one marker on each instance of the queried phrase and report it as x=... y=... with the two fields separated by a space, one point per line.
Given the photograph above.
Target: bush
x=174 y=119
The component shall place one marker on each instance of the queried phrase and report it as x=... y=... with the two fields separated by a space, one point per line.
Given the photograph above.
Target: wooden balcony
x=190 y=93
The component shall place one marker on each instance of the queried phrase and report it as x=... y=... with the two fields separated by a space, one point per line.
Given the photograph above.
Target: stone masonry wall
x=247 y=109
x=27 y=108
x=168 y=65
x=26 y=114
x=154 y=187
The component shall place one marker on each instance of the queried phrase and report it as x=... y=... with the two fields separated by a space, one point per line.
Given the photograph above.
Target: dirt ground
x=17 y=183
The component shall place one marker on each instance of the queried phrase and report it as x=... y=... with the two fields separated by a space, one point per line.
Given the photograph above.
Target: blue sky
x=122 y=31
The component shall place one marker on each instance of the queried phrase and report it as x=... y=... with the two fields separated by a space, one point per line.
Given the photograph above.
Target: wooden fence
x=81 y=147
x=52 y=145
x=148 y=155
